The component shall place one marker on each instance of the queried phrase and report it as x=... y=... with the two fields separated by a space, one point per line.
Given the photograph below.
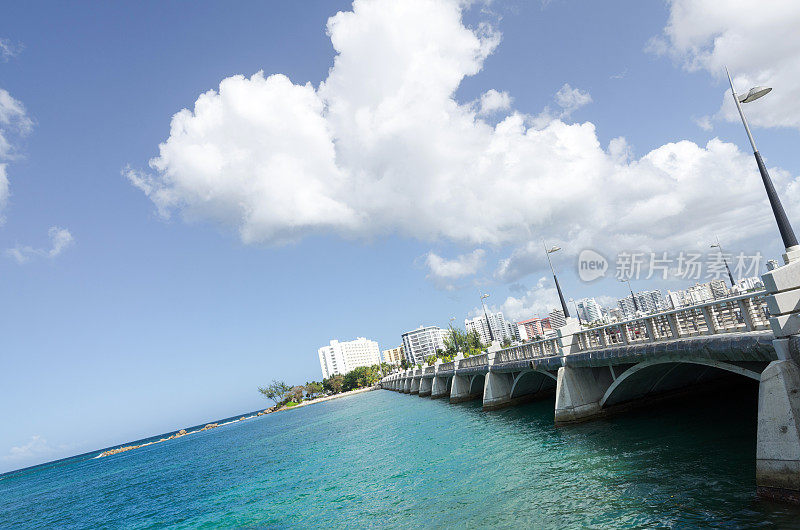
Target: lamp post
x=633 y=297
x=558 y=287
x=719 y=246
x=784 y=227
x=485 y=314
x=577 y=313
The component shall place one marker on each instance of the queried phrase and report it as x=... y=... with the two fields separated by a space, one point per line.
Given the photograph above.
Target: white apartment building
x=422 y=342
x=589 y=310
x=341 y=357
x=646 y=302
x=500 y=329
x=699 y=293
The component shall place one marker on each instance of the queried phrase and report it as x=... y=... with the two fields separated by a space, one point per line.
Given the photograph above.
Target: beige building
x=393 y=356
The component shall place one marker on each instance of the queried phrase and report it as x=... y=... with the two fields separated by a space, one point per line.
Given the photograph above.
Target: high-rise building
x=699 y=293
x=613 y=314
x=533 y=327
x=499 y=328
x=393 y=356
x=646 y=302
x=341 y=357
x=557 y=318
x=422 y=342
x=512 y=331
x=589 y=310
x=719 y=289
x=749 y=284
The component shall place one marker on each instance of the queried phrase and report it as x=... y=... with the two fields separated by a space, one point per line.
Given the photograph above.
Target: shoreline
x=214 y=425
x=328 y=398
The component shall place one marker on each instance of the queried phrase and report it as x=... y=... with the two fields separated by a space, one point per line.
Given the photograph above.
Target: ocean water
x=382 y=459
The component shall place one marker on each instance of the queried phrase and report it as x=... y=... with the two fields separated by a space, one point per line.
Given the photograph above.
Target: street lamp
x=577 y=313
x=633 y=297
x=558 y=287
x=719 y=246
x=785 y=228
x=485 y=314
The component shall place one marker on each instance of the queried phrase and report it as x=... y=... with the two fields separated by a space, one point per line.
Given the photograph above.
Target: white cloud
x=60 y=240
x=704 y=122
x=758 y=42
x=493 y=101
x=568 y=99
x=442 y=269
x=536 y=302
x=9 y=50
x=383 y=146
x=14 y=123
x=36 y=448
x=571 y=99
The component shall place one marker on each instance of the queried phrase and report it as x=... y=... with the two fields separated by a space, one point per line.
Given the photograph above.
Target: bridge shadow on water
x=695 y=448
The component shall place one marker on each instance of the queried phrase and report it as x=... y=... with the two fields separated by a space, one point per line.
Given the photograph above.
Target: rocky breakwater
x=178 y=434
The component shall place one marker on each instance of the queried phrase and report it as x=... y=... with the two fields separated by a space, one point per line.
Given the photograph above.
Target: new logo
x=591 y=265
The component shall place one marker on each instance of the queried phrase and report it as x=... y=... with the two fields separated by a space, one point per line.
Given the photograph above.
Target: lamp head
x=755 y=93
x=553 y=249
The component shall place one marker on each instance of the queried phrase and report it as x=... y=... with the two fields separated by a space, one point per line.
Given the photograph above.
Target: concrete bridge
x=603 y=370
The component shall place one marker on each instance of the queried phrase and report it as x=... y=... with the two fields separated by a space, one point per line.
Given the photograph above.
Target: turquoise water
x=386 y=459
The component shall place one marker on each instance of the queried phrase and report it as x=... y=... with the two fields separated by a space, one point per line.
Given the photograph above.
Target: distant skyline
x=194 y=199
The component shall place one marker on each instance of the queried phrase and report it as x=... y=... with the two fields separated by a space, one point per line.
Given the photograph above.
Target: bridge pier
x=497 y=390
x=425 y=386
x=460 y=390
x=440 y=387
x=778 y=444
x=414 y=385
x=407 y=385
x=579 y=392
x=778 y=441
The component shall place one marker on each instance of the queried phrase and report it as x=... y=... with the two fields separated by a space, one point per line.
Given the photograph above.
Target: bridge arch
x=656 y=375
x=531 y=382
x=476 y=383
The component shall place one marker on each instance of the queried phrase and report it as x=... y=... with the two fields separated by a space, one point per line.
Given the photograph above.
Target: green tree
x=474 y=346
x=296 y=393
x=506 y=343
x=430 y=360
x=454 y=341
x=333 y=384
x=361 y=377
x=313 y=389
x=276 y=391
x=404 y=364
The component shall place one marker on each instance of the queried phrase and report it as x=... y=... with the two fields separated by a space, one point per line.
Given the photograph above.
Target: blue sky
x=185 y=283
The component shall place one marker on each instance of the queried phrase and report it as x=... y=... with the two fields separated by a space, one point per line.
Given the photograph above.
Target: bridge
x=607 y=369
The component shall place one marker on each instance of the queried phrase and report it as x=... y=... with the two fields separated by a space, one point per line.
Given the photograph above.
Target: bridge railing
x=531 y=350
x=475 y=360
x=447 y=367
x=746 y=312
x=429 y=370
